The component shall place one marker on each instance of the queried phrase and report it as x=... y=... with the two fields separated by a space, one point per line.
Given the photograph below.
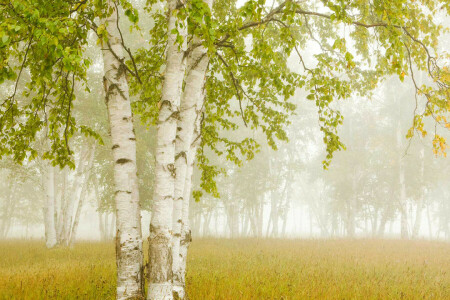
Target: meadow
x=242 y=269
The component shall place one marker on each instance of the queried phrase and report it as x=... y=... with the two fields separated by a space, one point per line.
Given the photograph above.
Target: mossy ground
x=242 y=269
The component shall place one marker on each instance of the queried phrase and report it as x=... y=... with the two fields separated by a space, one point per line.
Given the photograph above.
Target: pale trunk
x=382 y=226
x=58 y=208
x=74 y=197
x=402 y=200
x=260 y=215
x=129 y=257
x=83 y=194
x=186 y=236
x=62 y=207
x=160 y=239
x=420 y=204
x=49 y=210
x=68 y=212
x=8 y=210
x=189 y=112
x=430 y=223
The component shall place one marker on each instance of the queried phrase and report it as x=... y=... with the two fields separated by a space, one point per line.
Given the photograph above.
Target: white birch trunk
x=402 y=201
x=68 y=212
x=160 y=239
x=420 y=204
x=61 y=212
x=49 y=210
x=129 y=256
x=58 y=207
x=197 y=66
x=191 y=103
x=84 y=190
x=100 y=214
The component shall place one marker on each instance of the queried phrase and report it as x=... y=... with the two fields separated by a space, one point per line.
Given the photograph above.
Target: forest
x=224 y=149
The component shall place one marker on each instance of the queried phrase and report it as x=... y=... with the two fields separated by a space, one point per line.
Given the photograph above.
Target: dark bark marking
x=122 y=161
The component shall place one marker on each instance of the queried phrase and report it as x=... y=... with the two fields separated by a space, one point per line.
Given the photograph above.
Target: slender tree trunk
x=49 y=210
x=160 y=239
x=382 y=225
x=260 y=214
x=274 y=215
x=191 y=103
x=269 y=222
x=430 y=223
x=84 y=190
x=108 y=231
x=285 y=207
x=350 y=221
x=74 y=197
x=8 y=210
x=186 y=236
x=418 y=219
x=59 y=202
x=101 y=226
x=402 y=201
x=129 y=256
x=420 y=204
x=61 y=212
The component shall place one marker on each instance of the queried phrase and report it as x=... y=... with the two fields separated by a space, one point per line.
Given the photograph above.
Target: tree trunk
x=402 y=201
x=49 y=210
x=84 y=189
x=100 y=214
x=8 y=210
x=59 y=203
x=129 y=256
x=350 y=224
x=191 y=104
x=430 y=223
x=420 y=204
x=260 y=214
x=382 y=226
x=160 y=239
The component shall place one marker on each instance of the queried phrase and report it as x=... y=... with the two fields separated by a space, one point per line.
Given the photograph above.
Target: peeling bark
x=129 y=237
x=160 y=239
x=191 y=103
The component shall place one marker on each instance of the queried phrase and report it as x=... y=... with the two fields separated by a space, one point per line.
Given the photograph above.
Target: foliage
x=356 y=46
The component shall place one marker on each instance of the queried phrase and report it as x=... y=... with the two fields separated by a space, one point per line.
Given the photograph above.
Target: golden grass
x=242 y=269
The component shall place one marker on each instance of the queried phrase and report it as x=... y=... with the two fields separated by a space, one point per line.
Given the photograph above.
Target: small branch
x=125 y=47
x=236 y=86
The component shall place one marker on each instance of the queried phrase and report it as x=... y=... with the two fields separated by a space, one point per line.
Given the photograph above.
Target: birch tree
x=185 y=149
x=129 y=254
x=248 y=50
x=52 y=65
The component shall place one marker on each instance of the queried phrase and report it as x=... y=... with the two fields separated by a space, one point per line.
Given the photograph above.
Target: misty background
x=380 y=176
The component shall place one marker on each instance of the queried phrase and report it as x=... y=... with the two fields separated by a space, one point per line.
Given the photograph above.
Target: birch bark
x=191 y=103
x=49 y=210
x=129 y=256
x=160 y=239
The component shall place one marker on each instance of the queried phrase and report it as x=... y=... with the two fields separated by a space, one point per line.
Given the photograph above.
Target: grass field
x=242 y=269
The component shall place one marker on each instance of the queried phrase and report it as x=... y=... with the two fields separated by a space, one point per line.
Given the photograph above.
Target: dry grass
x=242 y=269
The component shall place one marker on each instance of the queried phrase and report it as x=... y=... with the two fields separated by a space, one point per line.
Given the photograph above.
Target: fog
x=282 y=193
